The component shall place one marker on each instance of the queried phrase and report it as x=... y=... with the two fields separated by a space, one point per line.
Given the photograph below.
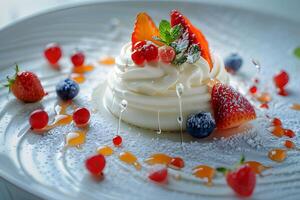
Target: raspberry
x=53 y=53
x=166 y=54
x=38 y=119
x=78 y=59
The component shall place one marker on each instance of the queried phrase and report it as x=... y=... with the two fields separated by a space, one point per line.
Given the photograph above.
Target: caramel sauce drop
x=128 y=158
x=158 y=158
x=105 y=150
x=204 y=172
x=277 y=155
x=78 y=78
x=257 y=167
x=83 y=69
x=295 y=106
x=107 y=60
x=75 y=139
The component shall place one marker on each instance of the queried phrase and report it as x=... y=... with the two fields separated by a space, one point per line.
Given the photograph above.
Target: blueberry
x=233 y=62
x=67 y=89
x=200 y=125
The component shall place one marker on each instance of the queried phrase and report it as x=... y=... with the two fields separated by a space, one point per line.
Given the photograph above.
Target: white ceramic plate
x=38 y=164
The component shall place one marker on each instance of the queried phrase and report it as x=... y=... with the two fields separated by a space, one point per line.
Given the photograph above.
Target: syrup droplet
x=179 y=92
x=107 y=60
x=75 y=139
x=257 y=167
x=204 y=172
x=277 y=155
x=295 y=106
x=78 y=78
x=105 y=150
x=158 y=158
x=277 y=131
x=83 y=69
x=123 y=106
x=158 y=122
x=264 y=97
x=128 y=158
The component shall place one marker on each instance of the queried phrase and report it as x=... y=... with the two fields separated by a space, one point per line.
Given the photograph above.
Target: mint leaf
x=176 y=31
x=181 y=44
x=297 y=52
x=179 y=59
x=193 y=54
x=164 y=31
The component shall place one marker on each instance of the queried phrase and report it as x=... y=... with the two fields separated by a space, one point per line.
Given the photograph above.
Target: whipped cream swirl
x=151 y=90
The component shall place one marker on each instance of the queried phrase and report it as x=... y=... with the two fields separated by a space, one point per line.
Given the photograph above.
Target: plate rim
x=45 y=192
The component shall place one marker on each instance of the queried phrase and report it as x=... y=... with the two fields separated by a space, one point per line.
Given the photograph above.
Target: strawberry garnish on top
x=230 y=108
x=144 y=29
x=195 y=35
x=26 y=86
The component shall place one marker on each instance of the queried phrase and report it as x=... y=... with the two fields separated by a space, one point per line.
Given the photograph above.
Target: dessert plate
x=42 y=166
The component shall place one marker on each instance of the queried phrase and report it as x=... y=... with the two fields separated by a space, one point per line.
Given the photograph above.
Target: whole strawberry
x=26 y=86
x=241 y=180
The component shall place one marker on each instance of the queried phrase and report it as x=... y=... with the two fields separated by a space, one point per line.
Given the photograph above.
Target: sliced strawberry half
x=230 y=108
x=144 y=29
x=196 y=36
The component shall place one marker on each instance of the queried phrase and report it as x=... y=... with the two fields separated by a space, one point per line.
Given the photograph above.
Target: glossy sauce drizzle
x=277 y=155
x=204 y=172
x=257 y=167
x=130 y=159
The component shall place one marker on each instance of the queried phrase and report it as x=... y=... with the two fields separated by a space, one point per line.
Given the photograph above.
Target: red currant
x=151 y=52
x=289 y=133
x=138 y=57
x=78 y=58
x=159 y=174
x=81 y=116
x=139 y=45
x=166 y=54
x=38 y=119
x=281 y=79
x=95 y=164
x=117 y=140
x=276 y=122
x=53 y=53
x=253 y=89
x=176 y=163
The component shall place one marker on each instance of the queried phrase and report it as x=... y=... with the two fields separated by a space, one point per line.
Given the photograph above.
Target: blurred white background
x=11 y=10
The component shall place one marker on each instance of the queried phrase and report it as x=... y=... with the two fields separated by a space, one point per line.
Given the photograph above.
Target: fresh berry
x=200 y=125
x=253 y=89
x=151 y=53
x=242 y=181
x=95 y=164
x=53 y=53
x=78 y=58
x=117 y=140
x=144 y=29
x=166 y=54
x=38 y=119
x=276 y=122
x=195 y=35
x=81 y=116
x=233 y=63
x=289 y=133
x=176 y=163
x=230 y=108
x=281 y=79
x=158 y=174
x=67 y=89
x=138 y=57
x=289 y=144
x=144 y=51
x=26 y=86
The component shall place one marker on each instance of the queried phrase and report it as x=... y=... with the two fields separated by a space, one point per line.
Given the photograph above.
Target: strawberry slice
x=144 y=29
x=230 y=108
x=196 y=36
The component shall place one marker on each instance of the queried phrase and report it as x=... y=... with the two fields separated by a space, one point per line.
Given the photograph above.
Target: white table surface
x=13 y=10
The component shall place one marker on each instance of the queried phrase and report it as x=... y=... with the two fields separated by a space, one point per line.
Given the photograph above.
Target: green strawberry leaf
x=222 y=170
x=297 y=52
x=242 y=160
